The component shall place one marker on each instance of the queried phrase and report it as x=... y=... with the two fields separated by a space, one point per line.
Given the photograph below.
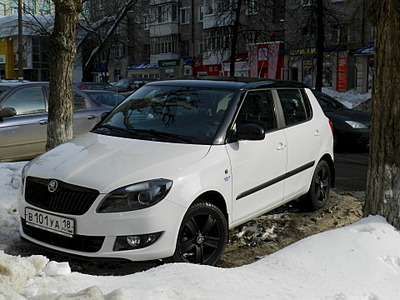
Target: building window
x=165 y=44
x=119 y=51
x=251 y=7
x=201 y=13
x=279 y=11
x=185 y=15
x=165 y=13
x=217 y=39
x=208 y=7
x=307 y=2
x=336 y=34
x=146 y=22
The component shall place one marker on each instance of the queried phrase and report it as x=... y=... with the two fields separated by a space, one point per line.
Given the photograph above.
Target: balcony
x=169 y=28
x=220 y=20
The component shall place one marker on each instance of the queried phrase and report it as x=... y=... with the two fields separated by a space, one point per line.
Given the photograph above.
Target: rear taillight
x=331 y=125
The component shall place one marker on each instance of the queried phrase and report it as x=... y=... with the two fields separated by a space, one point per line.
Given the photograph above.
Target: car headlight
x=135 y=196
x=356 y=125
x=24 y=172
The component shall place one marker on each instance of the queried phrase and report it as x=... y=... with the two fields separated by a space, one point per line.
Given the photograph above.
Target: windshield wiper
x=114 y=128
x=144 y=132
x=164 y=134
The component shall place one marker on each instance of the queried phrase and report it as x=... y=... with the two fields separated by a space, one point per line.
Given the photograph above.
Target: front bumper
x=95 y=234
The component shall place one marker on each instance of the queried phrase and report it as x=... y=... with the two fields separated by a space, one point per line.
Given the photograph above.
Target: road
x=351 y=170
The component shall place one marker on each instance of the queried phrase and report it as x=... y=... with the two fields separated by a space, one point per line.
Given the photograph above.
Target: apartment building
x=275 y=39
x=175 y=38
x=37 y=15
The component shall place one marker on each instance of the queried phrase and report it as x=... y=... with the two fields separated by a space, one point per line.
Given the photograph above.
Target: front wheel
x=203 y=235
x=318 y=194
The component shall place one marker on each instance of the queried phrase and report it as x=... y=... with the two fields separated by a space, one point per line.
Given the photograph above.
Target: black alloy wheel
x=203 y=235
x=318 y=194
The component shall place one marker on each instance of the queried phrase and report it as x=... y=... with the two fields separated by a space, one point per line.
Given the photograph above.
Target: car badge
x=52 y=186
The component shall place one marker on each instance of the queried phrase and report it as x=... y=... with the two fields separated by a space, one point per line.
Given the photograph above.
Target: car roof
x=239 y=83
x=100 y=91
x=19 y=83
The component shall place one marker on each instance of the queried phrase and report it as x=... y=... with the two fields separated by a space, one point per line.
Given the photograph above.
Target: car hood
x=349 y=115
x=106 y=163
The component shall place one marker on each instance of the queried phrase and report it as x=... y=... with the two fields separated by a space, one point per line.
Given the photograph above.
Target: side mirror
x=7 y=112
x=252 y=132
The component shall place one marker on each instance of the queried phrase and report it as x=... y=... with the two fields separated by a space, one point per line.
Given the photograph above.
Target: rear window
x=295 y=106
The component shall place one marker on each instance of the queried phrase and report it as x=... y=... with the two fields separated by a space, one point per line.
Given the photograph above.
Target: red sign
x=342 y=74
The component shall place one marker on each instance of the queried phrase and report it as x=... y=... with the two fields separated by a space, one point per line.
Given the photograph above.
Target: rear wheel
x=320 y=186
x=203 y=235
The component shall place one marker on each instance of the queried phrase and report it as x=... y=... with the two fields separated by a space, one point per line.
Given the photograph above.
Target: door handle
x=43 y=122
x=91 y=117
x=317 y=133
x=280 y=146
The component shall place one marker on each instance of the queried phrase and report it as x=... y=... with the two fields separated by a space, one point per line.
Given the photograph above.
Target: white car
x=177 y=164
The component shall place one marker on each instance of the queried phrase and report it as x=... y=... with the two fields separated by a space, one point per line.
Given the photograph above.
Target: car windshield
x=175 y=114
x=329 y=104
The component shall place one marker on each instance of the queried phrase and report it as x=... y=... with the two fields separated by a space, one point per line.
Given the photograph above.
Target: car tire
x=202 y=236
x=318 y=194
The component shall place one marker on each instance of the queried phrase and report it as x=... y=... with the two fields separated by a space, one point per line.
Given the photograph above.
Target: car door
x=303 y=140
x=84 y=116
x=24 y=135
x=257 y=166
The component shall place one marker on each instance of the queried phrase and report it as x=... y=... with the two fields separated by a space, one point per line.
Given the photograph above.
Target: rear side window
x=27 y=101
x=295 y=109
x=80 y=102
x=258 y=108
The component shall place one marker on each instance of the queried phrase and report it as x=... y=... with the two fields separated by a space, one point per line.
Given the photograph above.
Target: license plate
x=49 y=222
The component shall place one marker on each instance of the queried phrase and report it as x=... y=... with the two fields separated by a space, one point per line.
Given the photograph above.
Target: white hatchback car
x=174 y=166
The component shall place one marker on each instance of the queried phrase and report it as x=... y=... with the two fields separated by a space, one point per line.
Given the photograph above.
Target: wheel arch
x=215 y=198
x=331 y=165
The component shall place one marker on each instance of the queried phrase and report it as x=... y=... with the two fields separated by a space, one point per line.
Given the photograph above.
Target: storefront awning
x=143 y=65
x=366 y=50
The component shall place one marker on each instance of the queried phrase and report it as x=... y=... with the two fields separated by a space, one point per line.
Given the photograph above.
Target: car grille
x=77 y=242
x=67 y=198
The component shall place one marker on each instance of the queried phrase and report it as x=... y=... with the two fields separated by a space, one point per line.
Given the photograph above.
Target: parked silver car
x=23 y=118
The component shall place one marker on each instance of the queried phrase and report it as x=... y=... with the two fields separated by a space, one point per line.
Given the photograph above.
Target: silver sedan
x=23 y=118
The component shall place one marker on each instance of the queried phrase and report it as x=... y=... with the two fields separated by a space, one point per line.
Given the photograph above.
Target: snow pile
x=350 y=98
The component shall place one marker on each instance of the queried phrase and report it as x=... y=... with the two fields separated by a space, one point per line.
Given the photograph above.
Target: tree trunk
x=62 y=59
x=235 y=33
x=383 y=186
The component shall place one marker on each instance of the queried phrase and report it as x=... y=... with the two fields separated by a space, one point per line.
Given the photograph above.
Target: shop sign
x=2 y=59
x=342 y=74
x=307 y=51
x=169 y=63
x=262 y=54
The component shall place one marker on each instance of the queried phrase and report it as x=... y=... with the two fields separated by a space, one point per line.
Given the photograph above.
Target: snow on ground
x=351 y=98
x=356 y=262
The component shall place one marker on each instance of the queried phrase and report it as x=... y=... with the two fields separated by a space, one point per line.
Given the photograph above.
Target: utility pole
x=20 y=44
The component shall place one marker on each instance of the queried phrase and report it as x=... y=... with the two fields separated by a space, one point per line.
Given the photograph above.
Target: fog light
x=131 y=242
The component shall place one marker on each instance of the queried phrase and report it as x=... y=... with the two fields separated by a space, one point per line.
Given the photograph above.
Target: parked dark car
x=23 y=118
x=105 y=97
x=93 y=85
x=351 y=127
x=131 y=84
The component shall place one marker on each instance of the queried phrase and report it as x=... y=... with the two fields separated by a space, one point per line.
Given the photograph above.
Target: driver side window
x=258 y=108
x=27 y=101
